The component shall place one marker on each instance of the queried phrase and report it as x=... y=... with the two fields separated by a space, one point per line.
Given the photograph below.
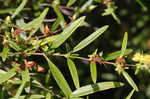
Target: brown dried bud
x=47 y=30
x=40 y=69
x=17 y=31
x=29 y=64
x=106 y=1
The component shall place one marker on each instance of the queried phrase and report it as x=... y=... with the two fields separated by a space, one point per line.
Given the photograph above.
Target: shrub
x=40 y=38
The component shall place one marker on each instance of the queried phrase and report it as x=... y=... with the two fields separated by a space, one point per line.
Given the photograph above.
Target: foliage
x=46 y=48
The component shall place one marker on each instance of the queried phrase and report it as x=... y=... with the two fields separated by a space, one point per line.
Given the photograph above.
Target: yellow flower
x=142 y=58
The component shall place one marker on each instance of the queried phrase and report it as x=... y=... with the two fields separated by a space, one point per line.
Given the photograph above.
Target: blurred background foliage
x=130 y=16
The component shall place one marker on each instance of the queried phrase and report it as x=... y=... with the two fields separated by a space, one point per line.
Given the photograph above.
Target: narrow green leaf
x=90 y=38
x=93 y=70
x=130 y=94
x=130 y=80
x=2 y=93
x=98 y=1
x=89 y=89
x=71 y=2
x=124 y=44
x=34 y=96
x=56 y=24
x=15 y=46
x=142 y=5
x=25 y=79
x=48 y=39
x=116 y=54
x=60 y=18
x=19 y=91
x=9 y=10
x=35 y=83
x=48 y=96
x=2 y=72
x=25 y=75
x=20 y=7
x=5 y=53
x=73 y=71
x=67 y=32
x=35 y=24
x=8 y=75
x=58 y=76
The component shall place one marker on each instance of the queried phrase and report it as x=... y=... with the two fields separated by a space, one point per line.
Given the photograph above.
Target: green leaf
x=19 y=91
x=74 y=73
x=90 y=38
x=89 y=89
x=67 y=32
x=35 y=24
x=130 y=94
x=9 y=10
x=48 y=96
x=71 y=2
x=5 y=53
x=15 y=46
x=124 y=44
x=142 y=5
x=20 y=7
x=8 y=75
x=34 y=96
x=44 y=41
x=116 y=54
x=2 y=93
x=130 y=80
x=98 y=1
x=48 y=39
x=93 y=70
x=37 y=84
x=59 y=78
x=56 y=24
x=60 y=18
x=25 y=79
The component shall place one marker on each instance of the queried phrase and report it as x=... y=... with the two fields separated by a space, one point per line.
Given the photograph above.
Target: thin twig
x=65 y=55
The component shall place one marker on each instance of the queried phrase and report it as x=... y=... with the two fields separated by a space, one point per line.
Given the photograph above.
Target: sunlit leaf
x=124 y=44
x=142 y=5
x=34 y=96
x=67 y=32
x=116 y=54
x=4 y=11
x=25 y=79
x=130 y=94
x=48 y=96
x=71 y=2
x=90 y=38
x=48 y=39
x=59 y=78
x=60 y=18
x=93 y=70
x=15 y=46
x=20 y=7
x=35 y=24
x=130 y=80
x=89 y=89
x=35 y=83
x=8 y=75
x=73 y=71
x=5 y=53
